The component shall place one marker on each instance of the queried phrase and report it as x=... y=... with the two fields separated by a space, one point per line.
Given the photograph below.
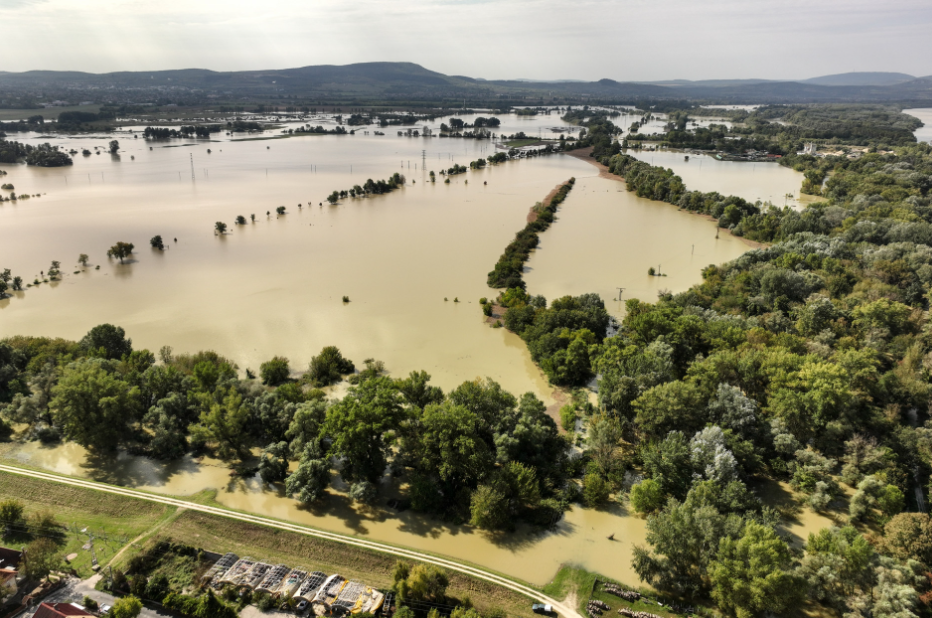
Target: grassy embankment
x=111 y=518
x=139 y=520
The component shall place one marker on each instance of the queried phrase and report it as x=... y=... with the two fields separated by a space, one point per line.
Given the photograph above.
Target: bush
x=595 y=490
x=568 y=417
x=138 y=585
x=328 y=367
x=647 y=496
x=157 y=588
x=264 y=601
x=275 y=371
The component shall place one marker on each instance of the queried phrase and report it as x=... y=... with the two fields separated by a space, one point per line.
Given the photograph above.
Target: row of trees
x=510 y=266
x=371 y=187
x=183 y=131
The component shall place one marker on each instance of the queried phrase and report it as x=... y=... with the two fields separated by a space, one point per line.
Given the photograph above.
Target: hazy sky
x=496 y=39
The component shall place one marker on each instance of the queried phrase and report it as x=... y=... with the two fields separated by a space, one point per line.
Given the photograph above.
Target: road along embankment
x=531 y=593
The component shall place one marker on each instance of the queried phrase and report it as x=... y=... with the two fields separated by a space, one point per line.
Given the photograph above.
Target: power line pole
x=620 y=290
x=192 y=165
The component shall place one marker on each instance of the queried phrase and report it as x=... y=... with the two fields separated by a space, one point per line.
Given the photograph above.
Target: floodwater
x=923 y=133
x=606 y=238
x=767 y=182
x=275 y=287
x=581 y=538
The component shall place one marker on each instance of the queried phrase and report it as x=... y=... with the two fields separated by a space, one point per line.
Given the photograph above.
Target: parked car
x=301 y=606
x=541 y=608
x=105 y=609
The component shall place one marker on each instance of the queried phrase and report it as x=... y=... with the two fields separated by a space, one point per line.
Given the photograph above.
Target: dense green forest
x=476 y=454
x=807 y=361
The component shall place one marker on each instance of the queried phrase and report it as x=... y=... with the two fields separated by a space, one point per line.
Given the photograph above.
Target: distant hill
x=406 y=82
x=860 y=79
x=713 y=83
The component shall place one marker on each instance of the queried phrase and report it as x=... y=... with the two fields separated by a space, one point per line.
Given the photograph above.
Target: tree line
x=802 y=362
x=510 y=266
x=43 y=155
x=476 y=454
x=182 y=132
x=370 y=187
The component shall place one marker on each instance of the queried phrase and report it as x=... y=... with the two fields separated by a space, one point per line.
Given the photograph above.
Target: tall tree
x=121 y=250
x=751 y=576
x=92 y=405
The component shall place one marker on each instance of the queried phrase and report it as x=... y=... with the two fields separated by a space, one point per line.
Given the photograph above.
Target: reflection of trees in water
x=131 y=471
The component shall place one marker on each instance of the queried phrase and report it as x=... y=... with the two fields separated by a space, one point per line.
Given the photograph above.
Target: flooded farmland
x=275 y=286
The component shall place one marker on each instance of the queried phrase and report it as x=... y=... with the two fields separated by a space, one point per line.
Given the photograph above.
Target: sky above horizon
x=625 y=40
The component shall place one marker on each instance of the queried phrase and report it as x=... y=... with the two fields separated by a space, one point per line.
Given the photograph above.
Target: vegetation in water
x=510 y=266
x=43 y=155
x=371 y=187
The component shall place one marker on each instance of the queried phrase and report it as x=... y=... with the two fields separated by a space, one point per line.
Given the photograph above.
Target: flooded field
x=606 y=238
x=767 y=182
x=275 y=286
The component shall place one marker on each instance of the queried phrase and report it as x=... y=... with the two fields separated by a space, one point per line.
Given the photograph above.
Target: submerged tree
x=121 y=250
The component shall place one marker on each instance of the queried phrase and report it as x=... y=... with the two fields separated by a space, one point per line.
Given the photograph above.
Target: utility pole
x=620 y=290
x=192 y=165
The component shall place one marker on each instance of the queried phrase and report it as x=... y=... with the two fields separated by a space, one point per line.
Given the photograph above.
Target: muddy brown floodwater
x=923 y=133
x=275 y=287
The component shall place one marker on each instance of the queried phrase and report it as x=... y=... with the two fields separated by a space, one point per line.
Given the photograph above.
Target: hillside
x=860 y=79
x=366 y=83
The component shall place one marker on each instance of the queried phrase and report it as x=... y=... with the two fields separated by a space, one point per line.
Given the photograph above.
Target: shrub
x=595 y=490
x=568 y=417
x=275 y=371
x=647 y=496
x=327 y=367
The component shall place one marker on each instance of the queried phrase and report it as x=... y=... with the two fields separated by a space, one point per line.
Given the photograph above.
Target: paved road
x=566 y=611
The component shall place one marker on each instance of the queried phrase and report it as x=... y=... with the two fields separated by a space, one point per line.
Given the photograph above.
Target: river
x=274 y=287
x=923 y=133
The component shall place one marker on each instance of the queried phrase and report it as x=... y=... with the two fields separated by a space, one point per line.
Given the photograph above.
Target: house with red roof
x=60 y=610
